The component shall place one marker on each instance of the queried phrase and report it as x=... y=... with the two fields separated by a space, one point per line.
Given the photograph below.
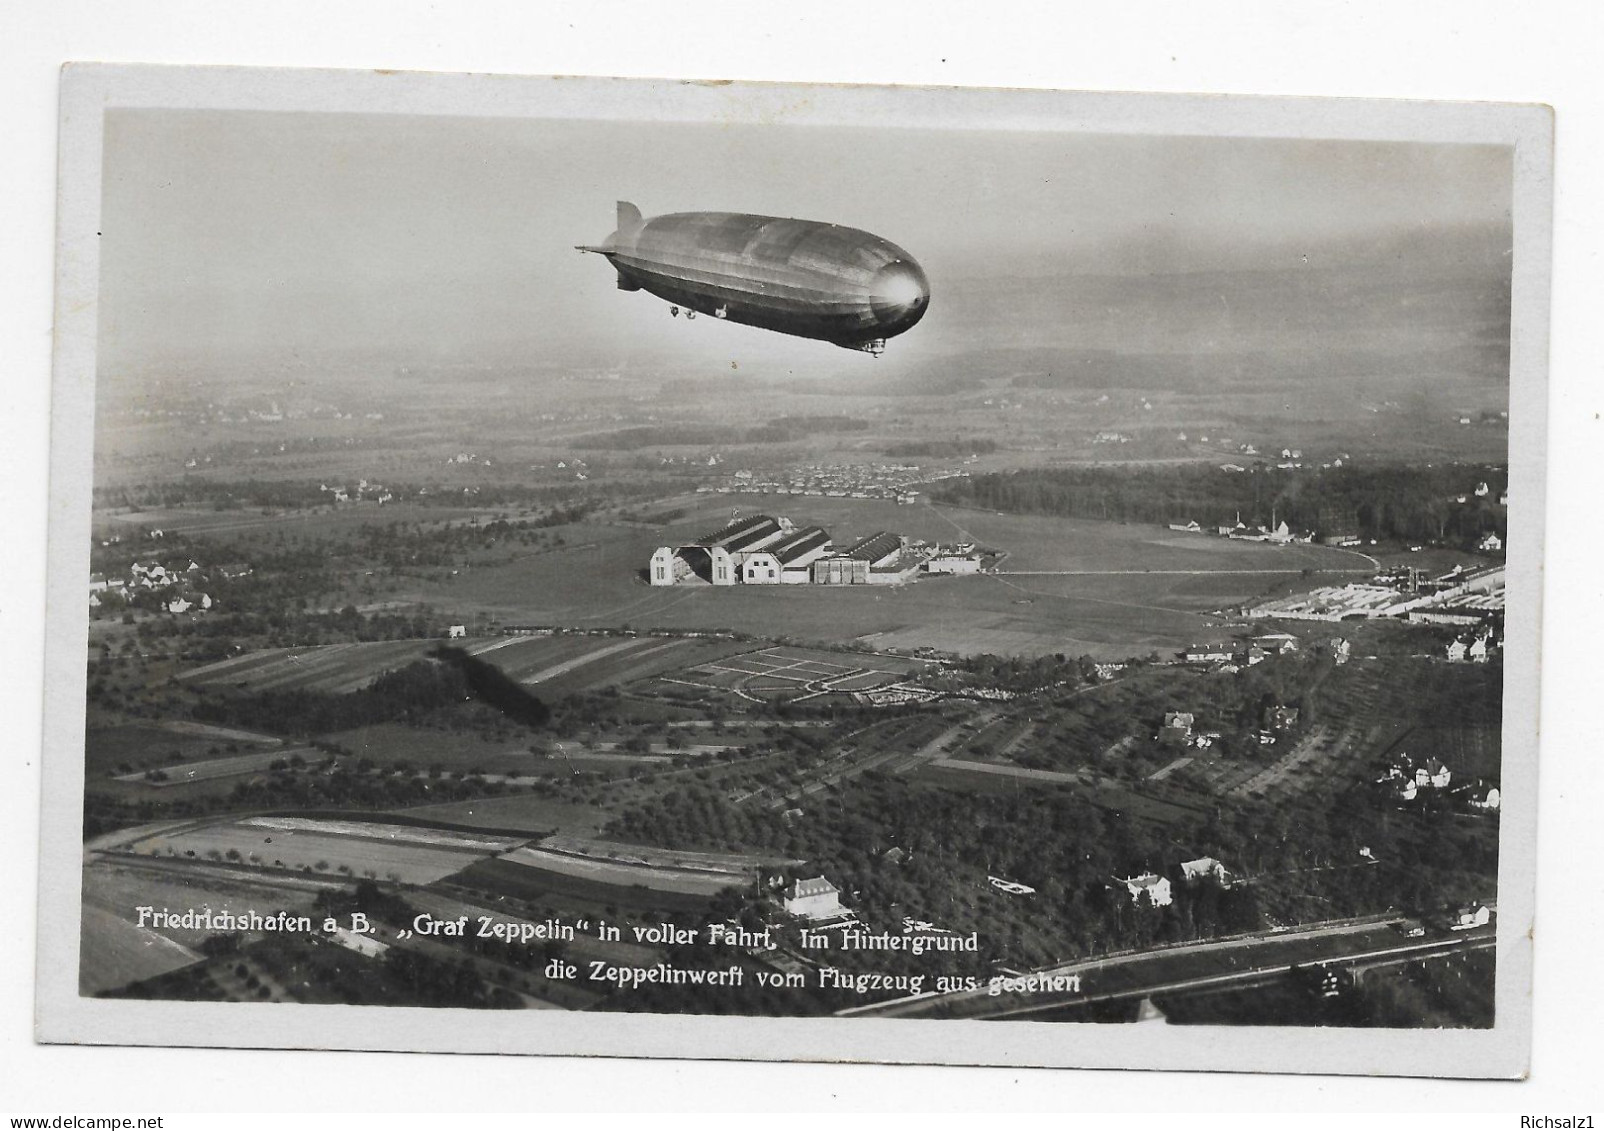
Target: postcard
x=728 y=570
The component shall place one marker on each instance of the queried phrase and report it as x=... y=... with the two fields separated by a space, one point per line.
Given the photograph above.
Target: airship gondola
x=799 y=277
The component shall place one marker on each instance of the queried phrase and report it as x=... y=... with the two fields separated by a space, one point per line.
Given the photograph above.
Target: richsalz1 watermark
x=1556 y=1123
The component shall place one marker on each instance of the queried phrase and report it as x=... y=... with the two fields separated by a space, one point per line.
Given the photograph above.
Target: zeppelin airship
x=798 y=277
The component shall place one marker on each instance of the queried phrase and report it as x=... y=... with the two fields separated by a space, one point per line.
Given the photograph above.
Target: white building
x=953 y=563
x=1485 y=798
x=1203 y=868
x=761 y=568
x=816 y=898
x=1155 y=887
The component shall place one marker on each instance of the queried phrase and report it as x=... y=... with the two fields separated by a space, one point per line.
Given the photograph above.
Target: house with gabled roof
x=1204 y=868
x=815 y=898
x=1149 y=887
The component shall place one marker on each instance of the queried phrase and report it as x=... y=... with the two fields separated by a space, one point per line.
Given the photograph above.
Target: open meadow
x=331 y=668
x=400 y=853
x=1073 y=586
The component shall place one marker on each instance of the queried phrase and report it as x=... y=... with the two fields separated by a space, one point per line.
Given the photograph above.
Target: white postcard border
x=88 y=90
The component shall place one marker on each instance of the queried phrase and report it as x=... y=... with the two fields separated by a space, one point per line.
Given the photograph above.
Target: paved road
x=1204 y=965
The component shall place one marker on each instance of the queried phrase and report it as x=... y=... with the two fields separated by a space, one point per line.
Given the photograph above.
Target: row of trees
x=1392 y=501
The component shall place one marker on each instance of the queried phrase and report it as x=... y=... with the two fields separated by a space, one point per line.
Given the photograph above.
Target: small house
x=1283 y=718
x=1469 y=916
x=1203 y=868
x=1280 y=643
x=1484 y=797
x=1181 y=720
x=815 y=898
x=1149 y=886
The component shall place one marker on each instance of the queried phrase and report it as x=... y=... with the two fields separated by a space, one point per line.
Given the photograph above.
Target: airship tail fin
x=629 y=219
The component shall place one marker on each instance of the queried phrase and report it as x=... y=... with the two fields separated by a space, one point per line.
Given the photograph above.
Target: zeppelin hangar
x=763 y=550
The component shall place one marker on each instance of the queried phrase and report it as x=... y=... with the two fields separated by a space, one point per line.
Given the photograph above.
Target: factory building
x=840 y=570
x=788 y=561
x=962 y=558
x=763 y=550
x=879 y=550
x=716 y=558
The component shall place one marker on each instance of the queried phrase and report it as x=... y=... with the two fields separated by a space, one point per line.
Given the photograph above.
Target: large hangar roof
x=742 y=531
x=800 y=544
x=876 y=547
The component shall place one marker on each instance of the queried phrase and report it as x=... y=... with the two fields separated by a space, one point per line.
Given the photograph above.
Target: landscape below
x=464 y=702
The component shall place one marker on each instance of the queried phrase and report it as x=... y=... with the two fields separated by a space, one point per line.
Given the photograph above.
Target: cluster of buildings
x=1177 y=730
x=1158 y=891
x=175 y=589
x=1473 y=649
x=1280 y=534
x=843 y=481
x=1234 y=655
x=1180 y=728
x=1408 y=780
x=1462 y=596
x=763 y=550
x=362 y=491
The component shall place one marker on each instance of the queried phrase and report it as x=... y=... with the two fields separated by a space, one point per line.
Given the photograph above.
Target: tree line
x=1389 y=501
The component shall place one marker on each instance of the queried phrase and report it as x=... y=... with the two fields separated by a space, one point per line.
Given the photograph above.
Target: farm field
x=740 y=864
x=1045 y=777
x=621 y=873
x=219 y=734
x=122 y=747
x=562 y=664
x=502 y=877
x=541 y=816
x=335 y=669
x=596 y=582
x=399 y=853
x=189 y=773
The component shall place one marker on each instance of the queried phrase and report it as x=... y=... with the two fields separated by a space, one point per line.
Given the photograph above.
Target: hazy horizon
x=278 y=239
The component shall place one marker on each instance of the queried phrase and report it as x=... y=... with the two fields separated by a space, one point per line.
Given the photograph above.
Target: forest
x=955 y=839
x=1395 y=502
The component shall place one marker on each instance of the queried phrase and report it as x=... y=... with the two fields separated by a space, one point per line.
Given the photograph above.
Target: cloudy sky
x=273 y=236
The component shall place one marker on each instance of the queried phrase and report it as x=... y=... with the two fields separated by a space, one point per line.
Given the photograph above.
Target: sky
x=272 y=238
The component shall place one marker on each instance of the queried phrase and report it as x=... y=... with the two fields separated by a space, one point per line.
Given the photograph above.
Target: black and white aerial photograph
x=778 y=567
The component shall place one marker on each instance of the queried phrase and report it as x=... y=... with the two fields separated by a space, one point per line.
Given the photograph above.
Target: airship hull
x=798 y=277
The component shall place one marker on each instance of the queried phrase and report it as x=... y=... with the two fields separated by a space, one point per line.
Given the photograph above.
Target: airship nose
x=898 y=295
